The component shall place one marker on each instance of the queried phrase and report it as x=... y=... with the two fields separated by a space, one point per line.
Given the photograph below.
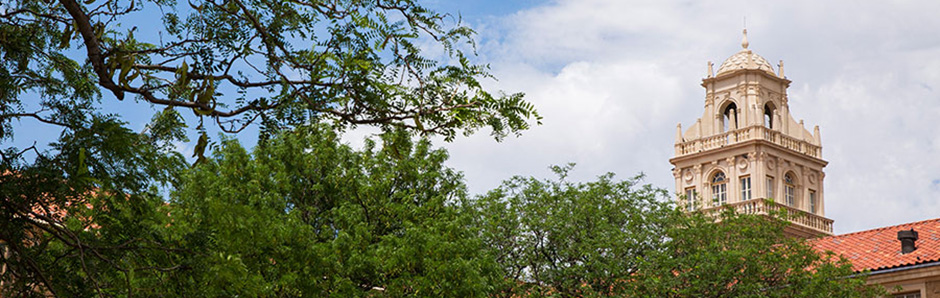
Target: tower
x=747 y=149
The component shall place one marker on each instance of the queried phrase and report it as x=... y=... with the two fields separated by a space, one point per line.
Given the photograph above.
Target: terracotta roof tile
x=880 y=248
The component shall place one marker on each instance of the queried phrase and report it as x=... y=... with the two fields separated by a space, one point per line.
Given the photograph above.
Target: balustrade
x=746 y=134
x=767 y=207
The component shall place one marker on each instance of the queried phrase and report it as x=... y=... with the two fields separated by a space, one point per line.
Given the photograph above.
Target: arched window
x=729 y=117
x=719 y=189
x=790 y=189
x=769 y=115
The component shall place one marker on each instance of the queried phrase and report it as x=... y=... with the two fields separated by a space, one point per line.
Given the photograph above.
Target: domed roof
x=743 y=60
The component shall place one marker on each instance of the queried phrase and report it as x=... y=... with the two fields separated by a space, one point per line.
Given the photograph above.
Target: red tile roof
x=880 y=248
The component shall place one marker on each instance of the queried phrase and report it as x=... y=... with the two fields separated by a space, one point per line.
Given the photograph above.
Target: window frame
x=907 y=295
x=789 y=190
x=813 y=204
x=719 y=189
x=770 y=187
x=691 y=197
x=746 y=188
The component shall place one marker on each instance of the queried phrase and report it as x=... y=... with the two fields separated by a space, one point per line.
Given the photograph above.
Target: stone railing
x=767 y=207
x=747 y=134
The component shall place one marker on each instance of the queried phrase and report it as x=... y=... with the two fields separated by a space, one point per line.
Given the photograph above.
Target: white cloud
x=613 y=78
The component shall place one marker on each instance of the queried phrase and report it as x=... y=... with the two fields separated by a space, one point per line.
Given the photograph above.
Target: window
x=719 y=189
x=908 y=295
x=745 y=188
x=789 y=189
x=812 y=201
x=729 y=118
x=770 y=187
x=691 y=197
x=769 y=115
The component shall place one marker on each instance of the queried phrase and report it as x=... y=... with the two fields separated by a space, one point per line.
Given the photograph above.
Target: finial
x=679 y=133
x=744 y=42
x=710 y=72
x=780 y=69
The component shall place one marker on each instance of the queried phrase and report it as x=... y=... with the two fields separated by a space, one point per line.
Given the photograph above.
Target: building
x=747 y=151
x=905 y=259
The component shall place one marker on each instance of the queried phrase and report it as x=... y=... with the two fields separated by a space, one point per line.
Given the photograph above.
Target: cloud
x=613 y=78
x=590 y=111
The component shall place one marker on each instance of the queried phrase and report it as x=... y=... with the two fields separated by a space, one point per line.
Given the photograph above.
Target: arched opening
x=789 y=189
x=769 y=115
x=729 y=117
x=719 y=189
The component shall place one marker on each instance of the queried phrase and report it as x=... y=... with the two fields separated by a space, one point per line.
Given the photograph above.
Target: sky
x=613 y=78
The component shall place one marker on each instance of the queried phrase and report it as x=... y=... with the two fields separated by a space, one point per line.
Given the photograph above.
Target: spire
x=744 y=42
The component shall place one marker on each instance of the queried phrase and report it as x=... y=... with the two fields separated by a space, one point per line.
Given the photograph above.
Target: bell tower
x=747 y=152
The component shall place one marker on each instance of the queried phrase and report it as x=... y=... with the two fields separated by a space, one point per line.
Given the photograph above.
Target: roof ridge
x=881 y=228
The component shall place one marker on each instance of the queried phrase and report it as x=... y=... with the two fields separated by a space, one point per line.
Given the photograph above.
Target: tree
x=85 y=220
x=306 y=216
x=237 y=62
x=85 y=216
x=606 y=238
x=740 y=255
x=567 y=239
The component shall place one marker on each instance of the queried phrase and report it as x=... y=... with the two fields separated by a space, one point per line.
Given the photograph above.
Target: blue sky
x=613 y=78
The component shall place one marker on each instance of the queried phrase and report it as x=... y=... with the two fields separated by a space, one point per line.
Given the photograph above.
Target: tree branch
x=92 y=46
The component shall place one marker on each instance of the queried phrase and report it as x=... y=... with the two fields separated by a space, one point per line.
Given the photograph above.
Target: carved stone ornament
x=771 y=163
x=742 y=165
x=811 y=178
x=688 y=175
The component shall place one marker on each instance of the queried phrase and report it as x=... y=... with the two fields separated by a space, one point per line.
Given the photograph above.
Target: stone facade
x=747 y=152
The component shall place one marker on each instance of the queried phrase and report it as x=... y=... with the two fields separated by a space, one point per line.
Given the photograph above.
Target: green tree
x=85 y=216
x=306 y=216
x=738 y=255
x=606 y=238
x=237 y=62
x=567 y=239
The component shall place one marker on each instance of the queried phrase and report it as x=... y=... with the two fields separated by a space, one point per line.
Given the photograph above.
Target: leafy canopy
x=304 y=215
x=86 y=215
x=238 y=62
x=739 y=255
x=607 y=238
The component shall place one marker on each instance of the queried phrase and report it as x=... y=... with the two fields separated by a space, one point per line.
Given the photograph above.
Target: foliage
x=237 y=62
x=85 y=216
x=606 y=238
x=743 y=256
x=306 y=216
x=560 y=238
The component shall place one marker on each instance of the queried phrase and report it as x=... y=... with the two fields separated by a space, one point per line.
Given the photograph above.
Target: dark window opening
x=730 y=117
x=769 y=116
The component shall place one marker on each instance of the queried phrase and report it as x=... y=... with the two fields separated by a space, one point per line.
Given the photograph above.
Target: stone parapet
x=755 y=132
x=816 y=224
